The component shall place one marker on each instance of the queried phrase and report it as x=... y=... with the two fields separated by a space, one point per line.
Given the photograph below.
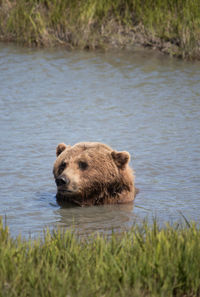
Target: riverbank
x=146 y=261
x=172 y=27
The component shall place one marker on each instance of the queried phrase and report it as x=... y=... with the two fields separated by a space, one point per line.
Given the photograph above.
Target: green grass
x=172 y=26
x=146 y=261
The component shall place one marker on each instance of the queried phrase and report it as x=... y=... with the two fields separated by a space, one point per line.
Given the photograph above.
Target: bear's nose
x=62 y=181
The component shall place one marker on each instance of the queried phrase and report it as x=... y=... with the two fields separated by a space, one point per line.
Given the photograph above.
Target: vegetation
x=146 y=261
x=173 y=26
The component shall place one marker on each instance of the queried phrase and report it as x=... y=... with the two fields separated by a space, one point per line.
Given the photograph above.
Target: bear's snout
x=62 y=181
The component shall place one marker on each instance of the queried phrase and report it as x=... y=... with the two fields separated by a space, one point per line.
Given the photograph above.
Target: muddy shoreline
x=171 y=28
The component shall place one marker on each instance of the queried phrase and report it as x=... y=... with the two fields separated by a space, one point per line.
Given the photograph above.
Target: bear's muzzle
x=62 y=181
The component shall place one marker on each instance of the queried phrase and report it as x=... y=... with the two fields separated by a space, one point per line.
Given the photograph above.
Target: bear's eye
x=82 y=165
x=62 y=166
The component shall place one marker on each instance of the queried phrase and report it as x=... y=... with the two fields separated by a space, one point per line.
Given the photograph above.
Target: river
x=134 y=100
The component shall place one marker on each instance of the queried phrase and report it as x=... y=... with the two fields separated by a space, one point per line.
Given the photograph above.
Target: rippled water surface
x=137 y=101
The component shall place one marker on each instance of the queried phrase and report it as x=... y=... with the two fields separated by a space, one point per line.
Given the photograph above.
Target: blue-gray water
x=137 y=101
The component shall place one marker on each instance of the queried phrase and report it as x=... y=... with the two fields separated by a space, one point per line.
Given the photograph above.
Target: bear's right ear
x=60 y=148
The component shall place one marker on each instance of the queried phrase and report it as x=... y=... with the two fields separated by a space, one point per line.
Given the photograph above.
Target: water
x=139 y=101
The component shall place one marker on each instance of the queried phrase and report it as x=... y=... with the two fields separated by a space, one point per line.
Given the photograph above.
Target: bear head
x=92 y=173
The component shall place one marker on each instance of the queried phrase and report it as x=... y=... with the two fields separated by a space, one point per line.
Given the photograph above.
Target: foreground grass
x=171 y=26
x=143 y=262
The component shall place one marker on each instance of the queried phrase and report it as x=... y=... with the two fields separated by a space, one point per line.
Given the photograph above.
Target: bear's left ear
x=60 y=148
x=120 y=158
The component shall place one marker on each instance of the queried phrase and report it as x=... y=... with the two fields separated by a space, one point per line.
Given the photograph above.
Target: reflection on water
x=96 y=218
x=137 y=101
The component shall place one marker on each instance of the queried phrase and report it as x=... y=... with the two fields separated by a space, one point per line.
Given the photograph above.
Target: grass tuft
x=146 y=261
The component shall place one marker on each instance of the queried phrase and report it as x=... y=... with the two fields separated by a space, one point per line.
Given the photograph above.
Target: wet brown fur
x=108 y=178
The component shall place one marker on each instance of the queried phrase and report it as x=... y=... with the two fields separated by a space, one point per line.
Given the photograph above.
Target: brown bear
x=92 y=173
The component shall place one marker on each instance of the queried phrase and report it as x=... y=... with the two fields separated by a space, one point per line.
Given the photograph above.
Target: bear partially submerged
x=92 y=173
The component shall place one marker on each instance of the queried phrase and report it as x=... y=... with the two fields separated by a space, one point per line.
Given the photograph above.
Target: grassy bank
x=143 y=262
x=170 y=26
